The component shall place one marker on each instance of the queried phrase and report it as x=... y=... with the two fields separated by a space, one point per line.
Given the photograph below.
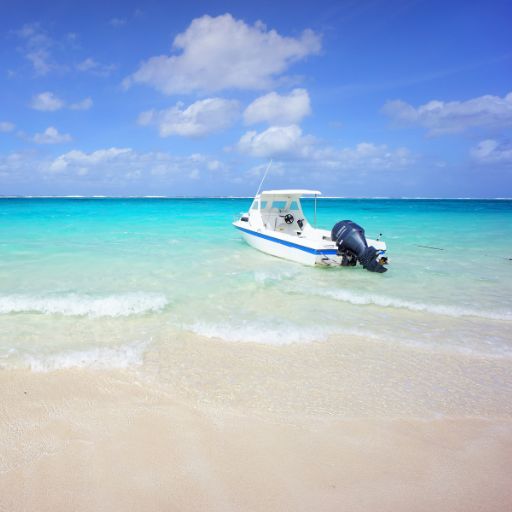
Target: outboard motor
x=352 y=246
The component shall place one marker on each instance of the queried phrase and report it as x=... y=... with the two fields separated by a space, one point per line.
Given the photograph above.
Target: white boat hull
x=290 y=250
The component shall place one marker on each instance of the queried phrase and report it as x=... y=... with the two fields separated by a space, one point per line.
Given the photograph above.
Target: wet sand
x=87 y=440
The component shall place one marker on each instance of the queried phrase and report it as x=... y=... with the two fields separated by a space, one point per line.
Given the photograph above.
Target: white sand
x=76 y=440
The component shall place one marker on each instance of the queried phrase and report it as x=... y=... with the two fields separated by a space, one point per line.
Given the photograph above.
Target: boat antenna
x=264 y=176
x=315 y=210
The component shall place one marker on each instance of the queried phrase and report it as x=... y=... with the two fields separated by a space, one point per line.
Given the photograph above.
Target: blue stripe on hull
x=288 y=244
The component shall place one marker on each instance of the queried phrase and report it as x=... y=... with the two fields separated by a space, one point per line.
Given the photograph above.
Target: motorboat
x=275 y=224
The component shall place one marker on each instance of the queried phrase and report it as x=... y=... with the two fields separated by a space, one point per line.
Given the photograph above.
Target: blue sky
x=355 y=98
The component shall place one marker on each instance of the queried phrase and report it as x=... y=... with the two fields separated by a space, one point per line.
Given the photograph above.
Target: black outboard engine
x=352 y=246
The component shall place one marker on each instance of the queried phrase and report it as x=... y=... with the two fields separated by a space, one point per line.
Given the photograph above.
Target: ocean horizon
x=248 y=197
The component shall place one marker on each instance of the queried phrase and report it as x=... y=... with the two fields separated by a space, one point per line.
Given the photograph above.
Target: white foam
x=126 y=356
x=391 y=302
x=255 y=332
x=287 y=334
x=83 y=305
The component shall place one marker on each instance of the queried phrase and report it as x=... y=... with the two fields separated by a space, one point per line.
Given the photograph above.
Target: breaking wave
x=126 y=356
x=282 y=334
x=84 y=305
x=359 y=299
x=288 y=333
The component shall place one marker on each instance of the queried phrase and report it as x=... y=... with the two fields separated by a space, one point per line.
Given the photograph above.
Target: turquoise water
x=100 y=281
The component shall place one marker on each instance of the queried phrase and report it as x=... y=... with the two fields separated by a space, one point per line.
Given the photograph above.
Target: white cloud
x=16 y=164
x=217 y=53
x=492 y=152
x=440 y=117
x=126 y=163
x=289 y=144
x=117 y=22
x=110 y=167
x=36 y=47
x=278 y=109
x=85 y=104
x=51 y=136
x=275 y=141
x=201 y=118
x=365 y=156
x=40 y=60
x=76 y=158
x=89 y=65
x=6 y=126
x=47 y=101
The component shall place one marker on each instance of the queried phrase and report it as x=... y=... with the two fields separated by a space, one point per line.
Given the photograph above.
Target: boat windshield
x=282 y=214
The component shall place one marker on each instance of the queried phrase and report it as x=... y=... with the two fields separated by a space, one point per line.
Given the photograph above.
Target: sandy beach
x=94 y=440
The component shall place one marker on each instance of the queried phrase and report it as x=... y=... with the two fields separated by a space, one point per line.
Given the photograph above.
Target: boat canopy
x=291 y=193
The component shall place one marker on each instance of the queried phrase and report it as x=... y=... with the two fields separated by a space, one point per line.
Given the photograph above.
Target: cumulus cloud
x=275 y=141
x=200 y=118
x=17 y=164
x=51 y=136
x=110 y=166
x=440 y=117
x=126 y=163
x=6 y=126
x=365 y=156
x=289 y=144
x=216 y=53
x=493 y=152
x=76 y=158
x=47 y=101
x=277 y=109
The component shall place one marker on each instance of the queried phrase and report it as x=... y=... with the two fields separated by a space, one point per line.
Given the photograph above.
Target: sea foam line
x=73 y=304
x=256 y=332
x=286 y=335
x=361 y=299
x=101 y=358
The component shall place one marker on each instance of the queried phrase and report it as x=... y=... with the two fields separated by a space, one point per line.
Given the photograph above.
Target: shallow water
x=109 y=283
